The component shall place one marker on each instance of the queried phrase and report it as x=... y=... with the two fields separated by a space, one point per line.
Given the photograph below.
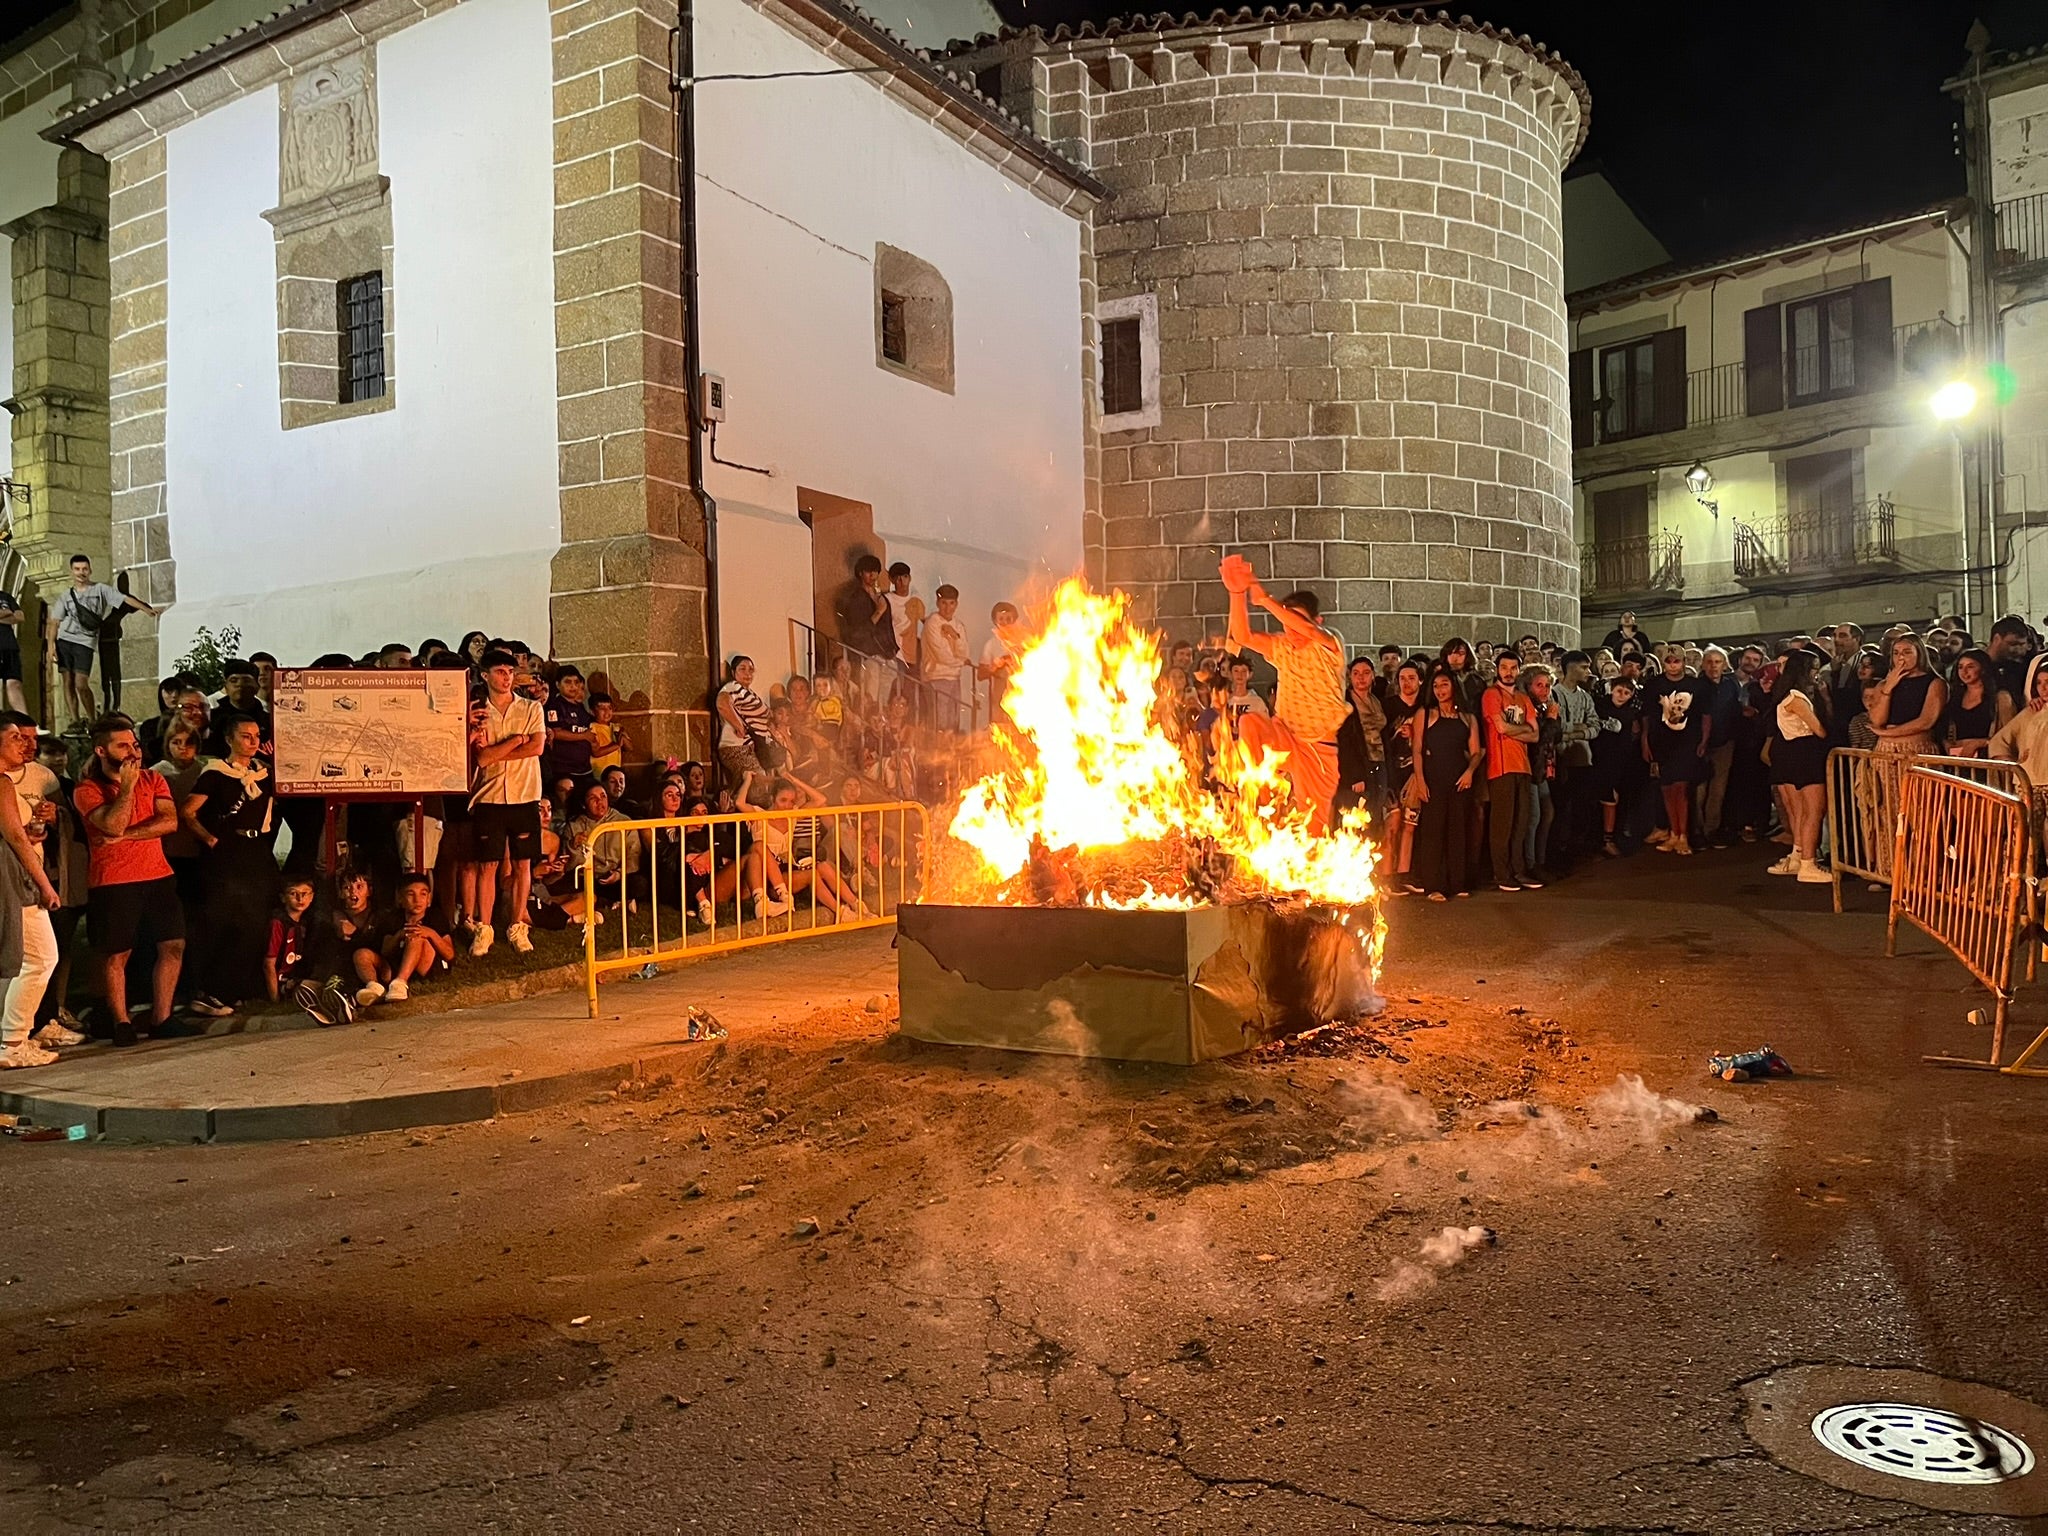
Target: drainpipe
x=683 y=84
x=1983 y=438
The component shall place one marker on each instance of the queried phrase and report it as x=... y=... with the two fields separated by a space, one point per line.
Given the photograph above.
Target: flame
x=1087 y=774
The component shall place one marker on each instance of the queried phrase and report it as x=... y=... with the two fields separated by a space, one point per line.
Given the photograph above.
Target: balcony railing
x=1652 y=562
x=1817 y=543
x=2020 y=231
x=1811 y=374
x=1716 y=394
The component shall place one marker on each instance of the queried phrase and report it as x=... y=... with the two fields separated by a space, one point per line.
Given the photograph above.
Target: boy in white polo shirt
x=505 y=800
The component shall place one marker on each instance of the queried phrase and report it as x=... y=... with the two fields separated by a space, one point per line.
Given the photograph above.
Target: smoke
x=1441 y=1251
x=1376 y=1108
x=1628 y=1105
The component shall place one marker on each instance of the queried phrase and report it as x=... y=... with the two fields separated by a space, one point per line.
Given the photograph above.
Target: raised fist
x=1237 y=575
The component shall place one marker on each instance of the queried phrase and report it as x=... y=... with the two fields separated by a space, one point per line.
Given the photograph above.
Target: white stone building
x=396 y=331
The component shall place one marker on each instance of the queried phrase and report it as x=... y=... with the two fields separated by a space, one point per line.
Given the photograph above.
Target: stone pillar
x=629 y=580
x=59 y=283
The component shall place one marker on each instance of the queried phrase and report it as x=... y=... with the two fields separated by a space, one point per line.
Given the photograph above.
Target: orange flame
x=1087 y=773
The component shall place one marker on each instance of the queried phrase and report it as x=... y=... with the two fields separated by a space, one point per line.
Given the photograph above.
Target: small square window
x=361 y=305
x=896 y=328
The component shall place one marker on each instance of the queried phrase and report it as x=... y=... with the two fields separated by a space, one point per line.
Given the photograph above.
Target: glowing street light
x=1699 y=479
x=1953 y=401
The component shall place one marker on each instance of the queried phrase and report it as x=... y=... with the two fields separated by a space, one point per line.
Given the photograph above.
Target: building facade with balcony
x=2004 y=96
x=1752 y=449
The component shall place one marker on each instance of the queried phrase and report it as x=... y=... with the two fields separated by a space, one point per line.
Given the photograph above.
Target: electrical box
x=711 y=394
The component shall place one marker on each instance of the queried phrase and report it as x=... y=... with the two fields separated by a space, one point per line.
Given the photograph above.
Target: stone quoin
x=1350 y=221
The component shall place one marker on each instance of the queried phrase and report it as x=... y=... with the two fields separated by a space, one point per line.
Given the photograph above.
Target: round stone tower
x=1339 y=232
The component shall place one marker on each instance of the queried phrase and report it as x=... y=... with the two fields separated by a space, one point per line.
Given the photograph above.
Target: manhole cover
x=1906 y=1436
x=1929 y=1445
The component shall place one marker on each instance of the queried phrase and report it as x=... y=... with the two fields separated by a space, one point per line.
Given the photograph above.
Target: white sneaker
x=367 y=994
x=520 y=937
x=1811 y=873
x=1657 y=839
x=1788 y=865
x=704 y=912
x=396 y=992
x=765 y=909
x=26 y=1054
x=50 y=1036
x=481 y=944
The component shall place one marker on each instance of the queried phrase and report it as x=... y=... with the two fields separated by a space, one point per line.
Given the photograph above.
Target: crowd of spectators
x=202 y=894
x=1509 y=763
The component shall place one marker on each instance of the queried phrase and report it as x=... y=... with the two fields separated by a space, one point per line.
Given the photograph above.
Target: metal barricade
x=671 y=888
x=1962 y=865
x=1863 y=805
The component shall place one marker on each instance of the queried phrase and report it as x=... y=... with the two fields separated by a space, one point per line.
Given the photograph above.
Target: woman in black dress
x=1448 y=754
x=1978 y=708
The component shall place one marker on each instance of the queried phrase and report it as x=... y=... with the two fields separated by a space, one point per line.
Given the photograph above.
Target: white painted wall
x=6 y=361
x=982 y=487
x=2019 y=143
x=437 y=516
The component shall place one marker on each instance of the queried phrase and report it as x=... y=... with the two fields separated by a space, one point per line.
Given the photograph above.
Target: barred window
x=361 y=305
x=896 y=328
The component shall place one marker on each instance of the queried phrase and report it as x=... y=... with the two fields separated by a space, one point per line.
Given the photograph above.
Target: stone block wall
x=1353 y=228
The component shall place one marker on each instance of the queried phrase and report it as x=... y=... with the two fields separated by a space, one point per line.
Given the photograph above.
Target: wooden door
x=841 y=532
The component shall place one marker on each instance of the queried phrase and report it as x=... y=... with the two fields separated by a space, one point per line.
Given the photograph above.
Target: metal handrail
x=2020 y=231
x=1651 y=562
x=1801 y=543
x=970 y=705
x=868 y=896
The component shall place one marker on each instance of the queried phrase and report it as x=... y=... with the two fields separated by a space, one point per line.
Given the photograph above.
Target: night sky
x=1727 y=126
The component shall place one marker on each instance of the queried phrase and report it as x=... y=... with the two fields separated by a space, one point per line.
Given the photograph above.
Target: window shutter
x=1872 y=303
x=1581 y=376
x=1763 y=358
x=1667 y=379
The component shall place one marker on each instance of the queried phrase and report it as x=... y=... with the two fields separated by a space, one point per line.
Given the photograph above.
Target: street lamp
x=1699 y=479
x=1953 y=401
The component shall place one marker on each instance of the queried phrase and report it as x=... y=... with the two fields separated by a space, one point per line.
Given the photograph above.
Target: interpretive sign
x=392 y=733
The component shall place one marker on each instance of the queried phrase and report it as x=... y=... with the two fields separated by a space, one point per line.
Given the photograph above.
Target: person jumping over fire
x=1309 y=705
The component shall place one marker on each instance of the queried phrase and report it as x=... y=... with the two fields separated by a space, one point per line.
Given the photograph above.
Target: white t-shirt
x=514 y=780
x=905 y=609
x=1794 y=727
x=31 y=785
x=996 y=650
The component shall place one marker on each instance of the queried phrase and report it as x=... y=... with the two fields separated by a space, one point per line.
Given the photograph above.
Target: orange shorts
x=1311 y=766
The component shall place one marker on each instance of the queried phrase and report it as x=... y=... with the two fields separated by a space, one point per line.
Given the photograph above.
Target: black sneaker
x=335 y=1002
x=1511 y=888
x=307 y=996
x=1531 y=885
x=124 y=1033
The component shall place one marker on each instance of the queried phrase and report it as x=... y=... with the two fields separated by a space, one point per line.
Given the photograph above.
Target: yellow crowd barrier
x=1863 y=805
x=1962 y=872
x=656 y=880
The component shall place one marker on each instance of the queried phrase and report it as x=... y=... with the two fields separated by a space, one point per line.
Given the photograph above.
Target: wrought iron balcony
x=1817 y=543
x=2020 y=232
x=1653 y=562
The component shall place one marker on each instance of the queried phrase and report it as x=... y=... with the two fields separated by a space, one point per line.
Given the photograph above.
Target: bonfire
x=1095 y=798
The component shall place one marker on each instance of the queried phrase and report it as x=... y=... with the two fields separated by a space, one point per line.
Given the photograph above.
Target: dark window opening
x=361 y=302
x=1123 y=368
x=989 y=82
x=896 y=328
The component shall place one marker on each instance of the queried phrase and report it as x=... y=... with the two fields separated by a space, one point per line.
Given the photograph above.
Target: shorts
x=10 y=664
x=1799 y=762
x=500 y=828
x=73 y=657
x=120 y=918
x=1681 y=764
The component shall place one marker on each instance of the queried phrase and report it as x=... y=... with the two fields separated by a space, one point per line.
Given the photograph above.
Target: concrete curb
x=349 y=1117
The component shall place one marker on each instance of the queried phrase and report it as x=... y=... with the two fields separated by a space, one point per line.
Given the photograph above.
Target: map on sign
x=394 y=733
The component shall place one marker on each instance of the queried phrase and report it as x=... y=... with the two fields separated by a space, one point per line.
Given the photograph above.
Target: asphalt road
x=1042 y=1295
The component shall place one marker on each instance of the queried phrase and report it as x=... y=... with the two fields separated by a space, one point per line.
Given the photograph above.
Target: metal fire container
x=1175 y=986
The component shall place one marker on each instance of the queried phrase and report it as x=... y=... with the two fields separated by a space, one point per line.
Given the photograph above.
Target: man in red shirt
x=127 y=809
x=1510 y=726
